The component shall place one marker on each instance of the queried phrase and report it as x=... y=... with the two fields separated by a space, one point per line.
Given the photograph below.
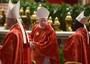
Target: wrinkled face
x=10 y=22
x=42 y=22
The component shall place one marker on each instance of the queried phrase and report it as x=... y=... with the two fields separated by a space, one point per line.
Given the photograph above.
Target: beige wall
x=83 y=2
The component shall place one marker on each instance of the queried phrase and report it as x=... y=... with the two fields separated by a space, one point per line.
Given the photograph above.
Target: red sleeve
x=7 y=50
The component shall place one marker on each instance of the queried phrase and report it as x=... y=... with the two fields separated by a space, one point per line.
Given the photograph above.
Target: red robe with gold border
x=13 y=50
x=76 y=47
x=44 y=44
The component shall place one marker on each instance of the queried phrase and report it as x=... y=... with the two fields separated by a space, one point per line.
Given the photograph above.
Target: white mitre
x=13 y=10
x=81 y=18
x=42 y=13
x=10 y=6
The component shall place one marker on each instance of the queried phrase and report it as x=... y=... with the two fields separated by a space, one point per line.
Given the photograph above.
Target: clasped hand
x=31 y=44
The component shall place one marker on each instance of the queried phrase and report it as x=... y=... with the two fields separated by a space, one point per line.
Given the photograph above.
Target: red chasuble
x=14 y=51
x=44 y=44
x=75 y=47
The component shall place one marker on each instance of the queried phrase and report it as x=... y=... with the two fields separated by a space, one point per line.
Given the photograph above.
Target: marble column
x=83 y=2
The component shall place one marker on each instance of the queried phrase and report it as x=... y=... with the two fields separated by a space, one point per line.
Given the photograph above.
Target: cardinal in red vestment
x=15 y=48
x=43 y=40
x=76 y=46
